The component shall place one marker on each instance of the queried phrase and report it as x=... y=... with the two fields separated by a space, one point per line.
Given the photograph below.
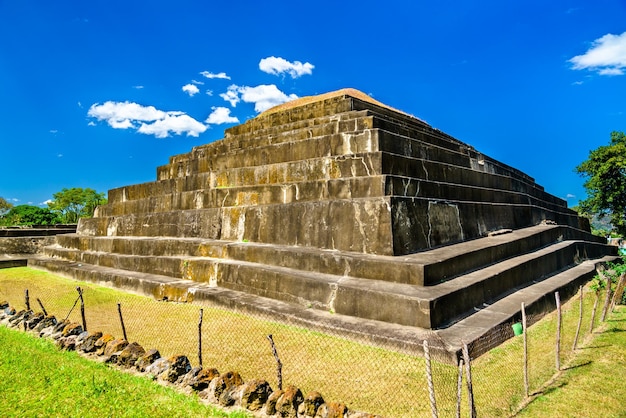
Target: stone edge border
x=227 y=391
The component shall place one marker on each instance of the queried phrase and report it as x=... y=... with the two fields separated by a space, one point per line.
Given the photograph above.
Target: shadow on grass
x=576 y=366
x=590 y=347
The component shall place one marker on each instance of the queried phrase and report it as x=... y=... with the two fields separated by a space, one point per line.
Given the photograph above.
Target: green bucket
x=518 y=329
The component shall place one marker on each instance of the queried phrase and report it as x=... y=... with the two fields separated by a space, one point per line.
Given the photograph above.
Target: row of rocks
x=227 y=389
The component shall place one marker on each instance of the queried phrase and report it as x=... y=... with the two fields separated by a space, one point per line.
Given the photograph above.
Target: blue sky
x=99 y=93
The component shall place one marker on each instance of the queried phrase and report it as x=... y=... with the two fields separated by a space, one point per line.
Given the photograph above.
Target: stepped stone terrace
x=337 y=209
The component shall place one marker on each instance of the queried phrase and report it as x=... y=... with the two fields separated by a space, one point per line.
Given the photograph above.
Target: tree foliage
x=29 y=215
x=75 y=203
x=605 y=173
x=4 y=206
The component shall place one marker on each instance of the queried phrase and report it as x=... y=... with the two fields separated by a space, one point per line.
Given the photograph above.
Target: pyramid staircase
x=338 y=211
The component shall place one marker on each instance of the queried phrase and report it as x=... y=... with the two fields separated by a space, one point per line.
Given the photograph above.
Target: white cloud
x=138 y=87
x=46 y=202
x=120 y=112
x=278 y=66
x=191 y=89
x=209 y=92
x=221 y=115
x=127 y=115
x=209 y=74
x=570 y=196
x=177 y=124
x=231 y=95
x=607 y=56
x=199 y=83
x=263 y=96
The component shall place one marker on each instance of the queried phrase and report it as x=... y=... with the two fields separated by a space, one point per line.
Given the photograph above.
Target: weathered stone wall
x=338 y=172
x=30 y=240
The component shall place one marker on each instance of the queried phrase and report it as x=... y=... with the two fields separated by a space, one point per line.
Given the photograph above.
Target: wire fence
x=364 y=377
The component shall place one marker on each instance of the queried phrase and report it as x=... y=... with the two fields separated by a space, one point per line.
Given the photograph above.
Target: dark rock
x=102 y=342
x=60 y=325
x=72 y=329
x=20 y=316
x=332 y=410
x=179 y=366
x=188 y=379
x=158 y=367
x=67 y=343
x=310 y=404
x=9 y=310
x=115 y=346
x=203 y=379
x=81 y=337
x=48 y=321
x=225 y=382
x=4 y=304
x=35 y=319
x=89 y=343
x=270 y=405
x=287 y=404
x=254 y=394
x=147 y=359
x=130 y=354
x=229 y=396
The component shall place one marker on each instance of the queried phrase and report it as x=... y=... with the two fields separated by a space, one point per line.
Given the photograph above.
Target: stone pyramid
x=338 y=203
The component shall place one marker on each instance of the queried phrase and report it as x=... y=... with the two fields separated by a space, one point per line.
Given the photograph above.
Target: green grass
x=366 y=378
x=40 y=380
x=592 y=385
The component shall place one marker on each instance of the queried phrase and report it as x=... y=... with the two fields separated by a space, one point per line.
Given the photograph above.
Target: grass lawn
x=593 y=385
x=39 y=380
x=366 y=378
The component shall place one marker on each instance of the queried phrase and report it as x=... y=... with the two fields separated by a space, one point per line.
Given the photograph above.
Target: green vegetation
x=75 y=203
x=605 y=173
x=593 y=384
x=68 y=206
x=366 y=378
x=29 y=215
x=40 y=380
x=4 y=206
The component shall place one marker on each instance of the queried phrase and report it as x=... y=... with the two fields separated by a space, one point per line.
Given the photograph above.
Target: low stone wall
x=24 y=245
x=30 y=240
x=227 y=390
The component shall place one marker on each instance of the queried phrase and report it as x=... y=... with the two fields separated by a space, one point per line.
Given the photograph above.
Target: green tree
x=605 y=173
x=4 y=206
x=75 y=203
x=30 y=215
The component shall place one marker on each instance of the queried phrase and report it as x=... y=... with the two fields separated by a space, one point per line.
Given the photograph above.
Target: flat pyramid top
x=337 y=93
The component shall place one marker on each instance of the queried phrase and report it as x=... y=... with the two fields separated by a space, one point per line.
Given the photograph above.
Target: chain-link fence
x=364 y=377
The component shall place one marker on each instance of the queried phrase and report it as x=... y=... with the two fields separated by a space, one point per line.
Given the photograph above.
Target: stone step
x=436 y=306
x=425 y=268
x=491 y=323
x=146 y=198
x=415 y=306
x=203 y=158
x=454 y=182
x=371 y=221
x=486 y=328
x=427 y=307
x=402 y=338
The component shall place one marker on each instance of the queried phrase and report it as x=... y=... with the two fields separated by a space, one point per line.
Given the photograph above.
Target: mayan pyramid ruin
x=337 y=209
